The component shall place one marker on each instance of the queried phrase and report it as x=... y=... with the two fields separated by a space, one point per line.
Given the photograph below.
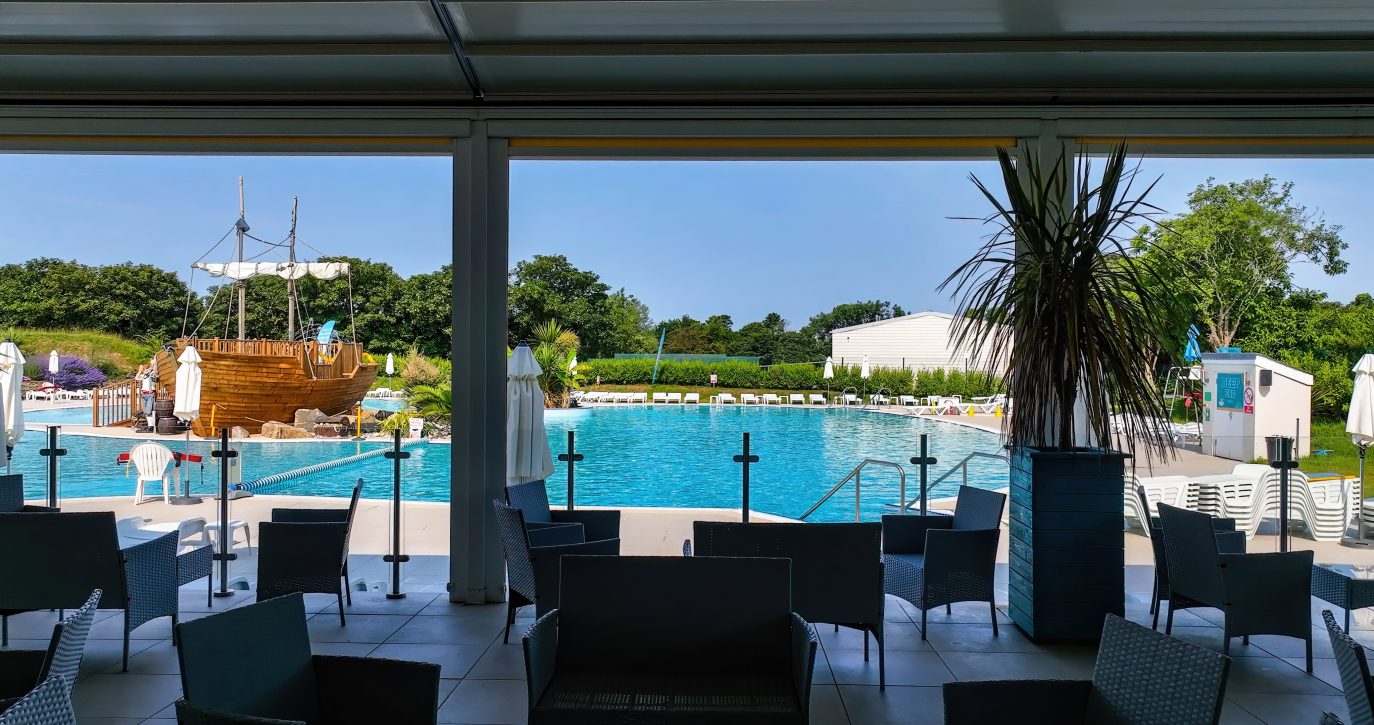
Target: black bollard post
x=746 y=459
x=572 y=457
x=396 y=558
x=1282 y=456
x=52 y=453
x=224 y=556
x=925 y=461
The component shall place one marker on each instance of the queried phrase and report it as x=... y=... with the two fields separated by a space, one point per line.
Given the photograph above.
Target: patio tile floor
x=483 y=679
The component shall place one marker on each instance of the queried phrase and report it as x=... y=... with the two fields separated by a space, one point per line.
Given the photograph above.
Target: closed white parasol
x=829 y=371
x=1360 y=423
x=54 y=362
x=11 y=397
x=186 y=406
x=527 y=445
x=864 y=371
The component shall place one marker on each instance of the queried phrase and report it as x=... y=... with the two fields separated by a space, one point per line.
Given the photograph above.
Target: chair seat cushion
x=699 y=698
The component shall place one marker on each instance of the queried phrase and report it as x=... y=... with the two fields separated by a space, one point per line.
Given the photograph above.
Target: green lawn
x=1342 y=457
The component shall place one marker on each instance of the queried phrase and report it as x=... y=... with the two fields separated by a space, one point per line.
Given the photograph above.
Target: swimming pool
x=635 y=456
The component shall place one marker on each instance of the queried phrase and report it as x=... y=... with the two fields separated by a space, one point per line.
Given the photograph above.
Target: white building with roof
x=915 y=341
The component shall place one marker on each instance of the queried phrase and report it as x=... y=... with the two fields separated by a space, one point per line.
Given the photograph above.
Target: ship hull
x=249 y=389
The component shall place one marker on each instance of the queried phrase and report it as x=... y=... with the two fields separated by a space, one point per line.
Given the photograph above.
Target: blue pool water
x=81 y=414
x=635 y=456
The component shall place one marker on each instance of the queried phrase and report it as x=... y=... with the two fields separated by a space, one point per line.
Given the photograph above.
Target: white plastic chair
x=692 y=398
x=212 y=533
x=639 y=397
x=748 y=399
x=674 y=398
x=660 y=397
x=817 y=399
x=151 y=461
x=771 y=399
x=726 y=398
x=796 y=399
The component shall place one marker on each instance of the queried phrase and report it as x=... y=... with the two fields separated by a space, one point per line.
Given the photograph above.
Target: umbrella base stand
x=185 y=500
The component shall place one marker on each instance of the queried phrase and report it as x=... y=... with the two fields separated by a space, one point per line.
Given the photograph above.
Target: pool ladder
x=857 y=475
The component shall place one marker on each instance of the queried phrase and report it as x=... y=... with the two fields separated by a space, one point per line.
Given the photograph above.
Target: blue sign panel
x=1230 y=391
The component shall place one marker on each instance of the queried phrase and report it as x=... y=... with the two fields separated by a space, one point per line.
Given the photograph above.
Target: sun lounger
x=906 y=401
x=877 y=399
x=726 y=399
x=817 y=399
x=694 y=398
x=639 y=397
x=660 y=397
x=771 y=399
x=797 y=399
x=674 y=398
x=748 y=399
x=848 y=399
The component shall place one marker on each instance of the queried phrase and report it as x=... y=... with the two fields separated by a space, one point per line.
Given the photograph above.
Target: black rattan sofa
x=671 y=640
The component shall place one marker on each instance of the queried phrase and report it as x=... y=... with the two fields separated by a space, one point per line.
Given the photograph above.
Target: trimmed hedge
x=802 y=376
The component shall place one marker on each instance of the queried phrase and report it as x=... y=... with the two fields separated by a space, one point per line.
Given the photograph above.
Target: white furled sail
x=285 y=270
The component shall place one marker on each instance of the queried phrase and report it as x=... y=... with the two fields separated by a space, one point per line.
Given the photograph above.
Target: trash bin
x=1279 y=448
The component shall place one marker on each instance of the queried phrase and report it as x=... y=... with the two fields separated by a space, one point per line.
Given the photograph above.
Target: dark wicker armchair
x=48 y=704
x=532 y=571
x=671 y=640
x=934 y=560
x=1257 y=593
x=12 y=497
x=23 y=669
x=327 y=516
x=252 y=664
x=1141 y=677
x=532 y=498
x=837 y=569
x=1354 y=669
x=1229 y=541
x=55 y=560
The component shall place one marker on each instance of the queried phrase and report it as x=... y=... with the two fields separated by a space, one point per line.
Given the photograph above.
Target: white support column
x=480 y=257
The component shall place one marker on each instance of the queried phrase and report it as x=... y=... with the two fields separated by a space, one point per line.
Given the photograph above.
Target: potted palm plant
x=1078 y=315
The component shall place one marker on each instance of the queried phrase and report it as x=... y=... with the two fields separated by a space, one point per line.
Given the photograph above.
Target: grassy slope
x=1343 y=457
x=111 y=353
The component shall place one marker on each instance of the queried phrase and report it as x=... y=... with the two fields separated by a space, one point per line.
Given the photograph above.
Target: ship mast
x=291 y=281
x=241 y=226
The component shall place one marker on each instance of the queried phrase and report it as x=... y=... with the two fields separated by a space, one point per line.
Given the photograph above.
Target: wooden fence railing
x=115 y=404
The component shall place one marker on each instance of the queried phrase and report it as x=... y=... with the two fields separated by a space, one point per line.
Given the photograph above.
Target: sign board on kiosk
x=1249 y=396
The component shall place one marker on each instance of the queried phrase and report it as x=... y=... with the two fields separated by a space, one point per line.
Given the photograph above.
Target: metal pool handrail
x=856 y=475
x=962 y=465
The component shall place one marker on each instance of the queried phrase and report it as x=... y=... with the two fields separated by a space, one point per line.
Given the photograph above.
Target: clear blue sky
x=698 y=238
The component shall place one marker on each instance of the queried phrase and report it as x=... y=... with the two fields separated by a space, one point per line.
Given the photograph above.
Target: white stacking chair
x=694 y=398
x=817 y=399
x=1170 y=490
x=1321 y=507
x=796 y=399
x=674 y=398
x=660 y=397
x=151 y=462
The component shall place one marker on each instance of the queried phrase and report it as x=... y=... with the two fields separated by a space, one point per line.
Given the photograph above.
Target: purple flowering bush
x=74 y=373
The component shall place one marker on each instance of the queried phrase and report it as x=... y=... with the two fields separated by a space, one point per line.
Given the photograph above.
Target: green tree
x=433 y=401
x=133 y=300
x=689 y=339
x=628 y=326
x=1236 y=246
x=820 y=326
x=549 y=287
x=424 y=314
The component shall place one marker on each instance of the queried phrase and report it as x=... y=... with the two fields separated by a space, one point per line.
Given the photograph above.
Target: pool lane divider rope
x=261 y=483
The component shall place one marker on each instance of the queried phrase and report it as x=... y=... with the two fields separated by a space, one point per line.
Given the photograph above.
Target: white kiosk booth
x=1246 y=397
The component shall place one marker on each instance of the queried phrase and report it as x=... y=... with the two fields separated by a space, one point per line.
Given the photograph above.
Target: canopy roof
x=285 y=270
x=690 y=50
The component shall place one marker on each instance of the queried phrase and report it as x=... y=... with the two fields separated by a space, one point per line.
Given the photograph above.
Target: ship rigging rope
x=190 y=290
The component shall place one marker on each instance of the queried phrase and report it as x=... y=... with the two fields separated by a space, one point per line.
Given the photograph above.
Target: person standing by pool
x=713 y=380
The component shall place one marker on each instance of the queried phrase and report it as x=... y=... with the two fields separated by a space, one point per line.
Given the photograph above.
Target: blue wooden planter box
x=1066 y=549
